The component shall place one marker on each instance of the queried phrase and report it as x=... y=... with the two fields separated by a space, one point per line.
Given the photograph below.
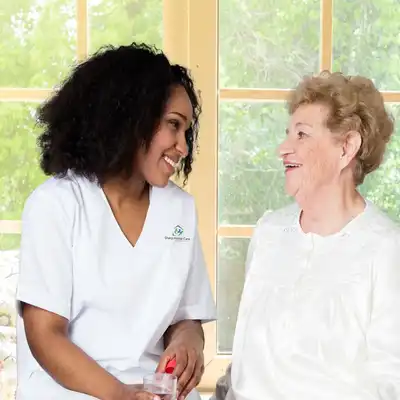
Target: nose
x=181 y=144
x=285 y=148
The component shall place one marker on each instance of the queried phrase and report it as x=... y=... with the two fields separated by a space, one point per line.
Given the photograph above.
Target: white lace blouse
x=320 y=316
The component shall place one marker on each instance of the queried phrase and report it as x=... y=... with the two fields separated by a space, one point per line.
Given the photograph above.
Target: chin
x=291 y=190
x=159 y=182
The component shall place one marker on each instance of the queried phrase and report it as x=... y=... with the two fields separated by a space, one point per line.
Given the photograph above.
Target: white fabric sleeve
x=197 y=302
x=383 y=335
x=45 y=275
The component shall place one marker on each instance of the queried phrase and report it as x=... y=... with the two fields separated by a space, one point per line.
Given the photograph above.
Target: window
x=245 y=56
x=256 y=52
x=41 y=40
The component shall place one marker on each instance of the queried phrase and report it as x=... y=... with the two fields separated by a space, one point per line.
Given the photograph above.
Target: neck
x=121 y=191
x=330 y=209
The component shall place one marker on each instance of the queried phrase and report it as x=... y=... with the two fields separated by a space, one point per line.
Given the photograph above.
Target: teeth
x=170 y=162
x=291 y=165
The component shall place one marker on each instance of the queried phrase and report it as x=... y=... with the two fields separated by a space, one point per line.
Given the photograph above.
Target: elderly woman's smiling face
x=311 y=155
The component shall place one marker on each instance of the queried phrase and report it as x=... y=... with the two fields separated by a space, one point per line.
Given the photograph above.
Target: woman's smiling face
x=310 y=153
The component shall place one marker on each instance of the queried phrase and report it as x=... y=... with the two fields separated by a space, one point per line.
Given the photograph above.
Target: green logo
x=178 y=231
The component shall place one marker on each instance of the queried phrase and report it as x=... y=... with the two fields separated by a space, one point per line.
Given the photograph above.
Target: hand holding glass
x=162 y=385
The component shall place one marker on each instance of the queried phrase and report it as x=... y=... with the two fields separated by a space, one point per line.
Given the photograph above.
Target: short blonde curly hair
x=355 y=104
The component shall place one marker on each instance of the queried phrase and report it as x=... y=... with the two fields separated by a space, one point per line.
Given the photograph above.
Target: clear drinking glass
x=162 y=385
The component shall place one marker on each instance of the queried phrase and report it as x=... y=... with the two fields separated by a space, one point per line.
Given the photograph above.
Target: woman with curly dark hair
x=112 y=281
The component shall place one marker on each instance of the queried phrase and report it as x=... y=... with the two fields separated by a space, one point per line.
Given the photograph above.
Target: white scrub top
x=320 y=316
x=119 y=299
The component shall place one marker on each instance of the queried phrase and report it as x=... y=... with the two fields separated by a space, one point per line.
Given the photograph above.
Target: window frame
x=191 y=38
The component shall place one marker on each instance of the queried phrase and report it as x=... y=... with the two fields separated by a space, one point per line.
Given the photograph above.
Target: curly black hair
x=107 y=109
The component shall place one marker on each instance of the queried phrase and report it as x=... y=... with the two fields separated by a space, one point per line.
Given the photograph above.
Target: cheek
x=164 y=139
x=146 y=161
x=152 y=159
x=322 y=164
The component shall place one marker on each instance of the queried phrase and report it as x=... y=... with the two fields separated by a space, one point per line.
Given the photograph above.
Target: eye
x=175 y=124
x=301 y=134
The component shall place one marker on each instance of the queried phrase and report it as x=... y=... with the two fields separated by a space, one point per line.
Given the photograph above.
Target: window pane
x=366 y=40
x=9 y=253
x=383 y=186
x=250 y=175
x=38 y=42
x=267 y=43
x=230 y=278
x=122 y=22
x=19 y=170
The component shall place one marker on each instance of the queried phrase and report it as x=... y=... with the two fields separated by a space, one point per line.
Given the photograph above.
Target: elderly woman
x=320 y=312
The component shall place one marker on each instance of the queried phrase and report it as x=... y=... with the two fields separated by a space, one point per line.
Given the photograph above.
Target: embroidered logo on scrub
x=177 y=234
x=178 y=231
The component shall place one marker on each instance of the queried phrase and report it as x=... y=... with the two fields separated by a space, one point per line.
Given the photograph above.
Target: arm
x=45 y=290
x=185 y=329
x=383 y=334
x=47 y=336
x=223 y=388
x=185 y=342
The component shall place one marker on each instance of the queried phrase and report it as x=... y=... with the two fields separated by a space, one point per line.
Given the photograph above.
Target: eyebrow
x=184 y=117
x=298 y=123
x=303 y=123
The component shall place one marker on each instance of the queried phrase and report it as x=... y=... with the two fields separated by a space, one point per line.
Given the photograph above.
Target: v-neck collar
x=142 y=235
x=163 y=214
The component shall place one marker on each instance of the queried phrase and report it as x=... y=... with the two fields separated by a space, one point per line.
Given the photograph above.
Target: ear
x=350 y=147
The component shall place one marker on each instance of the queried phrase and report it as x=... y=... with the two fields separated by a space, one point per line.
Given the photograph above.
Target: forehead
x=310 y=114
x=179 y=102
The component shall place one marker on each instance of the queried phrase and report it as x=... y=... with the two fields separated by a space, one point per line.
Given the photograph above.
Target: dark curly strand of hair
x=107 y=109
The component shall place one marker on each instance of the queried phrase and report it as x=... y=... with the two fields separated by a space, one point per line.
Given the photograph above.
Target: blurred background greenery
x=263 y=44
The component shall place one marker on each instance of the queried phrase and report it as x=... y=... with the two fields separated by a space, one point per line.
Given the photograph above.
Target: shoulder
x=384 y=246
x=379 y=236
x=61 y=193
x=173 y=193
x=281 y=218
x=378 y=230
x=273 y=224
x=176 y=191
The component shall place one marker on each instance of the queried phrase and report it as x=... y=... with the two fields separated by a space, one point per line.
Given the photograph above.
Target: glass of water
x=162 y=385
